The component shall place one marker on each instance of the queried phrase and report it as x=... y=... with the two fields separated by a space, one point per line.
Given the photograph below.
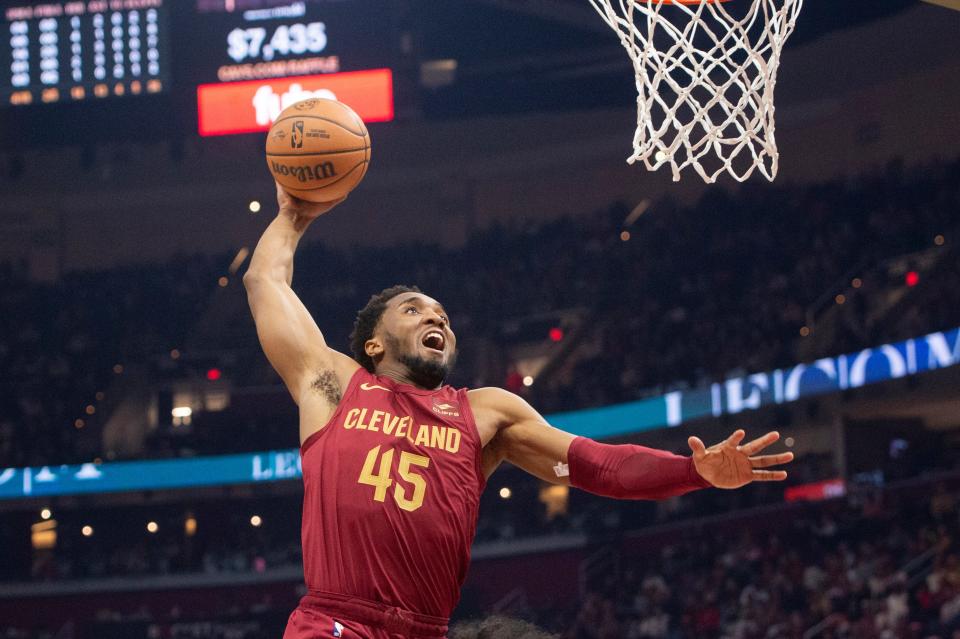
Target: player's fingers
x=769 y=475
x=754 y=447
x=735 y=439
x=697 y=446
x=765 y=461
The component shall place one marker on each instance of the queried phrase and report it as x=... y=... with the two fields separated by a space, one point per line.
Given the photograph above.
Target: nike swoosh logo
x=368 y=386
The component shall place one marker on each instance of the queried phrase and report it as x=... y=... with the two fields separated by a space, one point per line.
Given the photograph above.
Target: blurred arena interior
x=149 y=479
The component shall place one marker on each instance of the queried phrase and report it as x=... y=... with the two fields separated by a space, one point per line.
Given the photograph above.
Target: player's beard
x=425 y=373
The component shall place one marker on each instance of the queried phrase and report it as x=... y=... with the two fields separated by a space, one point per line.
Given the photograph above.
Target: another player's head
x=401 y=327
x=498 y=627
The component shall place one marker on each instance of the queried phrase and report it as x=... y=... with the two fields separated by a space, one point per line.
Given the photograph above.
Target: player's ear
x=373 y=347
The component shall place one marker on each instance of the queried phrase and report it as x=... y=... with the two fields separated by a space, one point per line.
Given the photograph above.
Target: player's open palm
x=731 y=465
x=301 y=209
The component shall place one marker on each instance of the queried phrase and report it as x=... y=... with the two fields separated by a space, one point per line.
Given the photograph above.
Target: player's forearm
x=631 y=472
x=273 y=257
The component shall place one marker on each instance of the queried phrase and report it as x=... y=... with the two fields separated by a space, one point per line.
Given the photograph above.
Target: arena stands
x=679 y=308
x=880 y=562
x=654 y=318
x=62 y=344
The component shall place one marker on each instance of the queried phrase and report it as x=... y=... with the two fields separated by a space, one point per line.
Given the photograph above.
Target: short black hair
x=498 y=627
x=367 y=319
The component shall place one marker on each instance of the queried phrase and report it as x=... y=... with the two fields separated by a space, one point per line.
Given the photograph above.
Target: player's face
x=417 y=334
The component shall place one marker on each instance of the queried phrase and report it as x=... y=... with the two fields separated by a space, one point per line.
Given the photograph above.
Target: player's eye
x=411 y=308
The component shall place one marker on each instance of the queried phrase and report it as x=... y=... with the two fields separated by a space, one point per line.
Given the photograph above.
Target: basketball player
x=394 y=461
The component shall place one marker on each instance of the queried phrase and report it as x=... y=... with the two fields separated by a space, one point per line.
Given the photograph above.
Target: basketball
x=318 y=150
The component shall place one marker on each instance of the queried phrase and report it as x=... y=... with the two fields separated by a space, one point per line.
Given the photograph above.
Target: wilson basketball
x=318 y=150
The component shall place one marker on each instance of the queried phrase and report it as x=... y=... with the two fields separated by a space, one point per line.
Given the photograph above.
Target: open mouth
x=434 y=340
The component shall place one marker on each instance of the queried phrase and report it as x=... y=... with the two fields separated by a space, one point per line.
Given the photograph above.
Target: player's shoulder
x=488 y=393
x=498 y=408
x=494 y=397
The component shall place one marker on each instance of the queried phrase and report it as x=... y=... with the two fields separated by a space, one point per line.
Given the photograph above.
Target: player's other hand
x=732 y=465
x=301 y=209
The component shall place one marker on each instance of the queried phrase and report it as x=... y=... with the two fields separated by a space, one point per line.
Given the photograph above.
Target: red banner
x=246 y=107
x=817 y=491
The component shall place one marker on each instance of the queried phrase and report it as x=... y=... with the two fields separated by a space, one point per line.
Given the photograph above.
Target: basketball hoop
x=705 y=81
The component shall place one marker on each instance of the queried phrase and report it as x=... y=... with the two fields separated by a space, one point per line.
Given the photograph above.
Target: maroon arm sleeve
x=631 y=472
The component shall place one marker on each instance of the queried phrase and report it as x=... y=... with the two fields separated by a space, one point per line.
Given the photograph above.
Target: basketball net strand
x=705 y=87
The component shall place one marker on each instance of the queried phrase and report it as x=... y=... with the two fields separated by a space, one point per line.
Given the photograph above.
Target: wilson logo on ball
x=306 y=173
x=296 y=136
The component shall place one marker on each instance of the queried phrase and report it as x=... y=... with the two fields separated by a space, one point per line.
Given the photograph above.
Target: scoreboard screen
x=255 y=57
x=69 y=51
x=238 y=40
x=167 y=67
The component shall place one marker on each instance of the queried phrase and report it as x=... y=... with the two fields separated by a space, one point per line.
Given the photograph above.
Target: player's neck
x=401 y=374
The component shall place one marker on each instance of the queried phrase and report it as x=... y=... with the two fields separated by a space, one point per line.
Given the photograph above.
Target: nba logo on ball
x=296 y=138
x=337 y=629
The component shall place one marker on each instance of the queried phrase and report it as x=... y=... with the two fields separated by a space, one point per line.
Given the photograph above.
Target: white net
x=705 y=81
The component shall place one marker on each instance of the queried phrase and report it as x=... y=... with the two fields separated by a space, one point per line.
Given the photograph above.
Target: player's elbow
x=251 y=278
x=255 y=279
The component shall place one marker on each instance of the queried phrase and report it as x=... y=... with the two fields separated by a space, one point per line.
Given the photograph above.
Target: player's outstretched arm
x=623 y=471
x=290 y=338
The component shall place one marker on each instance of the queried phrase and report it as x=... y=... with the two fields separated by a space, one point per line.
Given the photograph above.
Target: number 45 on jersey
x=381 y=480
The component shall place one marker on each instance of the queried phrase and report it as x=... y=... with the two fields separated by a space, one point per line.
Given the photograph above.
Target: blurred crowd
x=205 y=537
x=728 y=284
x=672 y=294
x=63 y=343
x=876 y=565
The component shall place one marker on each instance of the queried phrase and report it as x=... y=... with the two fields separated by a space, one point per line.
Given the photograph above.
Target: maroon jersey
x=392 y=486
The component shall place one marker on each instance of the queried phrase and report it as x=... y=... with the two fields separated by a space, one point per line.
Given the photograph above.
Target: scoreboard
x=254 y=57
x=253 y=39
x=68 y=51
x=232 y=64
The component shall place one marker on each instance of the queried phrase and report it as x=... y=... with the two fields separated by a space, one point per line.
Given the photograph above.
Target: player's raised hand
x=732 y=465
x=301 y=209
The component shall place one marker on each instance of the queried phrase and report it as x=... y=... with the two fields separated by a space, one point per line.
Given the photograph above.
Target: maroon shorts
x=333 y=616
